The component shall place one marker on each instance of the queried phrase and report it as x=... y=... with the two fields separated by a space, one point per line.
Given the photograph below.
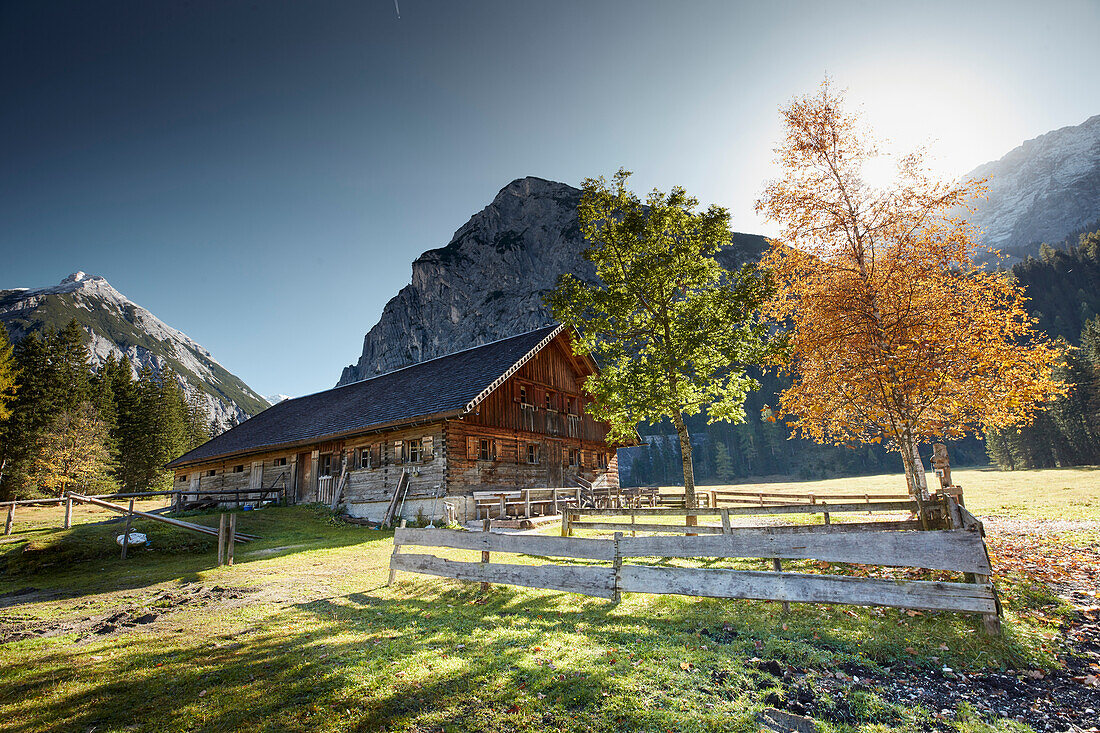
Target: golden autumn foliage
x=896 y=333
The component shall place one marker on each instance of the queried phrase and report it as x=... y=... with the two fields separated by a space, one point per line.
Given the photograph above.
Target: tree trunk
x=915 y=479
x=689 y=470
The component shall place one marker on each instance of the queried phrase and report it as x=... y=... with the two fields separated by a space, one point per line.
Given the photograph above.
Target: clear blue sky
x=261 y=174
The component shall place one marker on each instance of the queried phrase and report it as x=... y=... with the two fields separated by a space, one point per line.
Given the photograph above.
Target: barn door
x=301 y=487
x=553 y=464
x=256 y=477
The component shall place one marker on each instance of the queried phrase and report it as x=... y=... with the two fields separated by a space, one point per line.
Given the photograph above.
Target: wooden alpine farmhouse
x=504 y=416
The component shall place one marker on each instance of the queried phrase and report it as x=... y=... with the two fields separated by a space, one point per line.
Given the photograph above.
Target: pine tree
x=9 y=374
x=723 y=466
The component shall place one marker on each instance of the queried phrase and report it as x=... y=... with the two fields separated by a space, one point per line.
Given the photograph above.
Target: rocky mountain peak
x=116 y=326
x=1041 y=190
x=490 y=280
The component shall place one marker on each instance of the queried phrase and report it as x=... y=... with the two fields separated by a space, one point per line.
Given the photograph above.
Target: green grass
x=303 y=634
x=1056 y=493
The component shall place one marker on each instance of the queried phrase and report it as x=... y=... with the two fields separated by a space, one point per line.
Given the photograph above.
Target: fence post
x=396 y=549
x=485 y=553
x=726 y=522
x=827 y=519
x=527 y=503
x=617 y=564
x=632 y=521
x=11 y=519
x=68 y=512
x=230 y=539
x=565 y=522
x=221 y=540
x=777 y=566
x=126 y=532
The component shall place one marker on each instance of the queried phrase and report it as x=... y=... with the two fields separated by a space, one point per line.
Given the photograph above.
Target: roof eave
x=380 y=427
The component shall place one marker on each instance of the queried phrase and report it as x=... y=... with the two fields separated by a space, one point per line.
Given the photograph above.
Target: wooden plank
x=523 y=544
x=744 y=511
x=828 y=497
x=589 y=581
x=958 y=550
x=616 y=526
x=801 y=588
x=241 y=536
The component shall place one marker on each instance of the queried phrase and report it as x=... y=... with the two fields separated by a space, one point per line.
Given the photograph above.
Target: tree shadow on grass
x=86 y=559
x=430 y=654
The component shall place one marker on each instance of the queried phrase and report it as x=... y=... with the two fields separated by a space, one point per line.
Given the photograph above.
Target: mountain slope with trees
x=70 y=428
x=118 y=327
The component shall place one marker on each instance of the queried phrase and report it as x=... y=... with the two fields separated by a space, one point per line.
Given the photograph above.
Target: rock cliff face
x=490 y=280
x=116 y=325
x=1043 y=190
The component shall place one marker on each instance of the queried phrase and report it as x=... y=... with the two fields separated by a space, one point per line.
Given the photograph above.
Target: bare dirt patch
x=128 y=616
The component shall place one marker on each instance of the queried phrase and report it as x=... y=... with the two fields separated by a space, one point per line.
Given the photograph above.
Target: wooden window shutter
x=375 y=455
x=515 y=391
x=498 y=450
x=426 y=447
x=398 y=451
x=471 y=448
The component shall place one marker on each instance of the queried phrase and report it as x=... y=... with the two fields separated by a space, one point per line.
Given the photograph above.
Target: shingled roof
x=447 y=386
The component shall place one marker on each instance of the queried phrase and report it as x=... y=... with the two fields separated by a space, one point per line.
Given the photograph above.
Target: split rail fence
x=959 y=548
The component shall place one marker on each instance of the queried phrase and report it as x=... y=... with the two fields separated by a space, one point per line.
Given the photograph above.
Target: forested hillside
x=1064 y=288
x=65 y=427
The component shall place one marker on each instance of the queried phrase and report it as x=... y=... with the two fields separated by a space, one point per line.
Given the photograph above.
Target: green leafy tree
x=672 y=330
x=73 y=453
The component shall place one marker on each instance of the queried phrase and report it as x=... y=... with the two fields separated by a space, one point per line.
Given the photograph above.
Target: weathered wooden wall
x=541 y=404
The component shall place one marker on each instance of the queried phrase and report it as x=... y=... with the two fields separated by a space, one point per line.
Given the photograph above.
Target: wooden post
x=221 y=541
x=503 y=507
x=527 y=503
x=713 y=499
x=617 y=564
x=726 y=522
x=941 y=464
x=126 y=532
x=633 y=521
x=11 y=519
x=827 y=518
x=485 y=553
x=565 y=522
x=777 y=566
x=396 y=549
x=230 y=539
x=68 y=512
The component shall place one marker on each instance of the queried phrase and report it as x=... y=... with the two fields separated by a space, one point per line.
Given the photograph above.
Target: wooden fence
x=572 y=518
x=958 y=549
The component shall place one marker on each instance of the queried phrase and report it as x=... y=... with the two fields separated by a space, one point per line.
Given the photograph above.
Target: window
x=524 y=398
x=532 y=453
x=238 y=469
x=183 y=478
x=211 y=472
x=485 y=449
x=280 y=461
x=363 y=461
x=573 y=457
x=415 y=451
x=549 y=400
x=324 y=465
x=602 y=459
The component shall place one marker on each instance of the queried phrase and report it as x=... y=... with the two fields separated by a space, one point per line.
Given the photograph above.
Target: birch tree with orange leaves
x=896 y=334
